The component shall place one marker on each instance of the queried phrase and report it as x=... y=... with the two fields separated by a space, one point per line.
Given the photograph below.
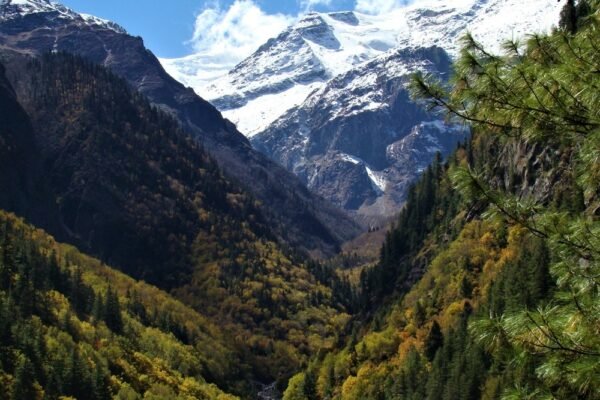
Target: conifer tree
x=23 y=385
x=434 y=340
x=568 y=17
x=310 y=385
x=545 y=93
x=24 y=291
x=98 y=309
x=419 y=313
x=77 y=376
x=112 y=313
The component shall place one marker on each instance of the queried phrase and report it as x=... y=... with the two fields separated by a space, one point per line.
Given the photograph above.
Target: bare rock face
x=361 y=141
x=299 y=217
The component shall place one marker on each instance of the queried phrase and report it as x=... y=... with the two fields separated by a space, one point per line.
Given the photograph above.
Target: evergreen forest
x=132 y=266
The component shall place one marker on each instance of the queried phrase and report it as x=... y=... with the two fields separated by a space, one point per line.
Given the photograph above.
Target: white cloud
x=226 y=36
x=379 y=6
x=308 y=5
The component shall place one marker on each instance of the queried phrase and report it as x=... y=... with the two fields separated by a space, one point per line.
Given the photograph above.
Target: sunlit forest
x=132 y=266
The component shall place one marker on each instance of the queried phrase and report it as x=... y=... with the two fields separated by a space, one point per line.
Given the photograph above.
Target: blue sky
x=181 y=27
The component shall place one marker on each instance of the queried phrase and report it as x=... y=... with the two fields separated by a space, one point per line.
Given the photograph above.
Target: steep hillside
x=120 y=180
x=71 y=326
x=18 y=153
x=122 y=174
x=35 y=27
x=487 y=288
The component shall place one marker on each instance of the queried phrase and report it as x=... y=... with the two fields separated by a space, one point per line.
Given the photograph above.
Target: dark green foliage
x=465 y=363
x=572 y=14
x=524 y=282
x=112 y=311
x=434 y=340
x=407 y=382
x=431 y=205
x=458 y=368
x=310 y=385
x=81 y=295
x=21 y=307
x=76 y=375
x=23 y=386
x=135 y=306
x=568 y=17
x=344 y=293
x=420 y=314
x=584 y=9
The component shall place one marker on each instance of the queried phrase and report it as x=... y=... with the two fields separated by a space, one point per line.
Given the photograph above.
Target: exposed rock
x=361 y=141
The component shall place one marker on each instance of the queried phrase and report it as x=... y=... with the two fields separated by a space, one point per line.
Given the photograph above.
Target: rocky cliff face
x=361 y=141
x=38 y=26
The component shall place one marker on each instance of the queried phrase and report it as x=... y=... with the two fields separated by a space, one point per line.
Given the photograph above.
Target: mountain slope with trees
x=302 y=220
x=116 y=177
x=486 y=285
x=487 y=288
x=71 y=326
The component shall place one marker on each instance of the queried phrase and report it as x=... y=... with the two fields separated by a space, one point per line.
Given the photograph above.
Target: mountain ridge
x=333 y=43
x=283 y=96
x=300 y=218
x=16 y=8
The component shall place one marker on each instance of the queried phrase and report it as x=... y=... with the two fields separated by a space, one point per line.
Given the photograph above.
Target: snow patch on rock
x=18 y=8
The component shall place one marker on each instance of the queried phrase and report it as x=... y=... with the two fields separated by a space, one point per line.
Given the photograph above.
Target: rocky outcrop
x=361 y=141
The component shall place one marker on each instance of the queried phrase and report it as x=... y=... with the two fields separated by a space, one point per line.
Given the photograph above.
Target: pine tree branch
x=550 y=335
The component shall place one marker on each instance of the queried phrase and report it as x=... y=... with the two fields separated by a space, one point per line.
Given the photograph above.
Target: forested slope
x=106 y=171
x=72 y=326
x=488 y=288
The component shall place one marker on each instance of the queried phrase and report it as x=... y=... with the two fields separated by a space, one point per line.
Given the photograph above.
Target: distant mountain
x=331 y=89
x=360 y=141
x=283 y=71
x=14 y=9
x=297 y=217
x=321 y=46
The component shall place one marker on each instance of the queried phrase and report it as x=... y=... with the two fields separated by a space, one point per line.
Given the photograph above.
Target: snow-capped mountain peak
x=320 y=46
x=38 y=5
x=327 y=98
x=290 y=66
x=491 y=22
x=10 y=9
